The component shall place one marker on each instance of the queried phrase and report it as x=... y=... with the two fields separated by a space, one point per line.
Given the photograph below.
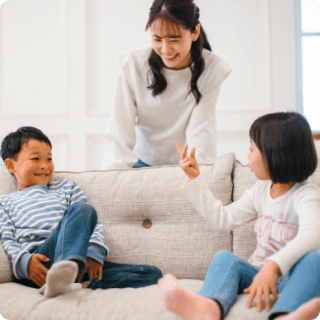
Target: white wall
x=58 y=65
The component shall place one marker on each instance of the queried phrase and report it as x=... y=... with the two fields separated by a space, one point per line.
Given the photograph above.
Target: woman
x=166 y=93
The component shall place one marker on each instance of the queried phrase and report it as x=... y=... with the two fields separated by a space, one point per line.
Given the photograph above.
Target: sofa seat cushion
x=22 y=303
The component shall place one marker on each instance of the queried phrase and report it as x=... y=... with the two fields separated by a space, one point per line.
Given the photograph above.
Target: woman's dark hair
x=11 y=145
x=286 y=144
x=178 y=13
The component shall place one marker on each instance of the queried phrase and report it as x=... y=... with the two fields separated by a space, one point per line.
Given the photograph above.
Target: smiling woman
x=173 y=45
x=166 y=93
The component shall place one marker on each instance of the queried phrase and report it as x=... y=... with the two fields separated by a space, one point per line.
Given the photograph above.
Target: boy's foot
x=185 y=304
x=307 y=311
x=70 y=288
x=60 y=279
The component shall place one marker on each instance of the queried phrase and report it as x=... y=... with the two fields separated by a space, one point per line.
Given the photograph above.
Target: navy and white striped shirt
x=29 y=216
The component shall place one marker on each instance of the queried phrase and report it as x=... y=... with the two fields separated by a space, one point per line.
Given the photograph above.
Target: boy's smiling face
x=33 y=165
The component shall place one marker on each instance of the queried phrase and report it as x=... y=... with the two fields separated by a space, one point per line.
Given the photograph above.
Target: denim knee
x=311 y=260
x=157 y=273
x=223 y=255
x=85 y=211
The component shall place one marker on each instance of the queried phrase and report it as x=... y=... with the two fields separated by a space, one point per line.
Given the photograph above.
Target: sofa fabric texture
x=244 y=238
x=147 y=220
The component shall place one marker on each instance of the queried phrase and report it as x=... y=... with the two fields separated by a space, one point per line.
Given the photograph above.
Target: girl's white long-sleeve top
x=145 y=127
x=287 y=227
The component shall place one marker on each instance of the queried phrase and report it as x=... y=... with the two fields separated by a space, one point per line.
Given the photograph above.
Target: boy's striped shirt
x=28 y=217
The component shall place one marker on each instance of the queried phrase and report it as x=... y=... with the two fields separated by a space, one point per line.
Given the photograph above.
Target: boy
x=49 y=231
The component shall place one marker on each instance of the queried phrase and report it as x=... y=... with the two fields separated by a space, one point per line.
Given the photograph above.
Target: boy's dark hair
x=286 y=143
x=11 y=145
x=176 y=13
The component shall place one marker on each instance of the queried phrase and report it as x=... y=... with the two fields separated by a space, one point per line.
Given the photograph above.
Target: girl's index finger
x=252 y=294
x=178 y=147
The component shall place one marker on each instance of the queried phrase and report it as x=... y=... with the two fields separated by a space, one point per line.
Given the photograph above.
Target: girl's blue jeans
x=70 y=240
x=228 y=275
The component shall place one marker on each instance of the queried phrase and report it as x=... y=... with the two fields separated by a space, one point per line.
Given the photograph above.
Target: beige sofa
x=178 y=241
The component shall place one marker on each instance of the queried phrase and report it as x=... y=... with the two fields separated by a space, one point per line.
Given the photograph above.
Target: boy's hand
x=37 y=272
x=263 y=284
x=188 y=164
x=93 y=268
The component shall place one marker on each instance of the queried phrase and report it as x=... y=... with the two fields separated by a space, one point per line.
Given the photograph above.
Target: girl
x=166 y=93
x=287 y=208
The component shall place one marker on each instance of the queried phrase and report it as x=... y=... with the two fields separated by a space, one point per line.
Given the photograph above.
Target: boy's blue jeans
x=228 y=275
x=140 y=164
x=70 y=240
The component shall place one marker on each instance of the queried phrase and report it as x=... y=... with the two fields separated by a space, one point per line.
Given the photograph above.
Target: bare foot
x=308 y=311
x=185 y=304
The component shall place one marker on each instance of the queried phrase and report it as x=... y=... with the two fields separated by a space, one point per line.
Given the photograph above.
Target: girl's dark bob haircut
x=286 y=144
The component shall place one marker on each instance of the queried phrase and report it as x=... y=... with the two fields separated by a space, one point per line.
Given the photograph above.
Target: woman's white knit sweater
x=145 y=127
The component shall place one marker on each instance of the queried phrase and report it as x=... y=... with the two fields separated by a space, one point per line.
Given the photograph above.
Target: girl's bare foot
x=307 y=311
x=185 y=304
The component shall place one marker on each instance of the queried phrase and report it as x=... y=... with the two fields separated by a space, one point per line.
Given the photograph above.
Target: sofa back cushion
x=179 y=240
x=244 y=238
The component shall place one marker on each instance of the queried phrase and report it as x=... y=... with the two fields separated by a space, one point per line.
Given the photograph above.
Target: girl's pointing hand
x=188 y=164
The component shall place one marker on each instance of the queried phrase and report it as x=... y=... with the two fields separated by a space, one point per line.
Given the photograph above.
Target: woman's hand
x=263 y=284
x=93 y=268
x=37 y=272
x=188 y=164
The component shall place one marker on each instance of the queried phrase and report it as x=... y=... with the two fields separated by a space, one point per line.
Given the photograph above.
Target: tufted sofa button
x=146 y=223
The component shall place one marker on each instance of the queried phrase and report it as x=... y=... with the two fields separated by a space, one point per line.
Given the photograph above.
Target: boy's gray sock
x=60 y=279
x=70 y=288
